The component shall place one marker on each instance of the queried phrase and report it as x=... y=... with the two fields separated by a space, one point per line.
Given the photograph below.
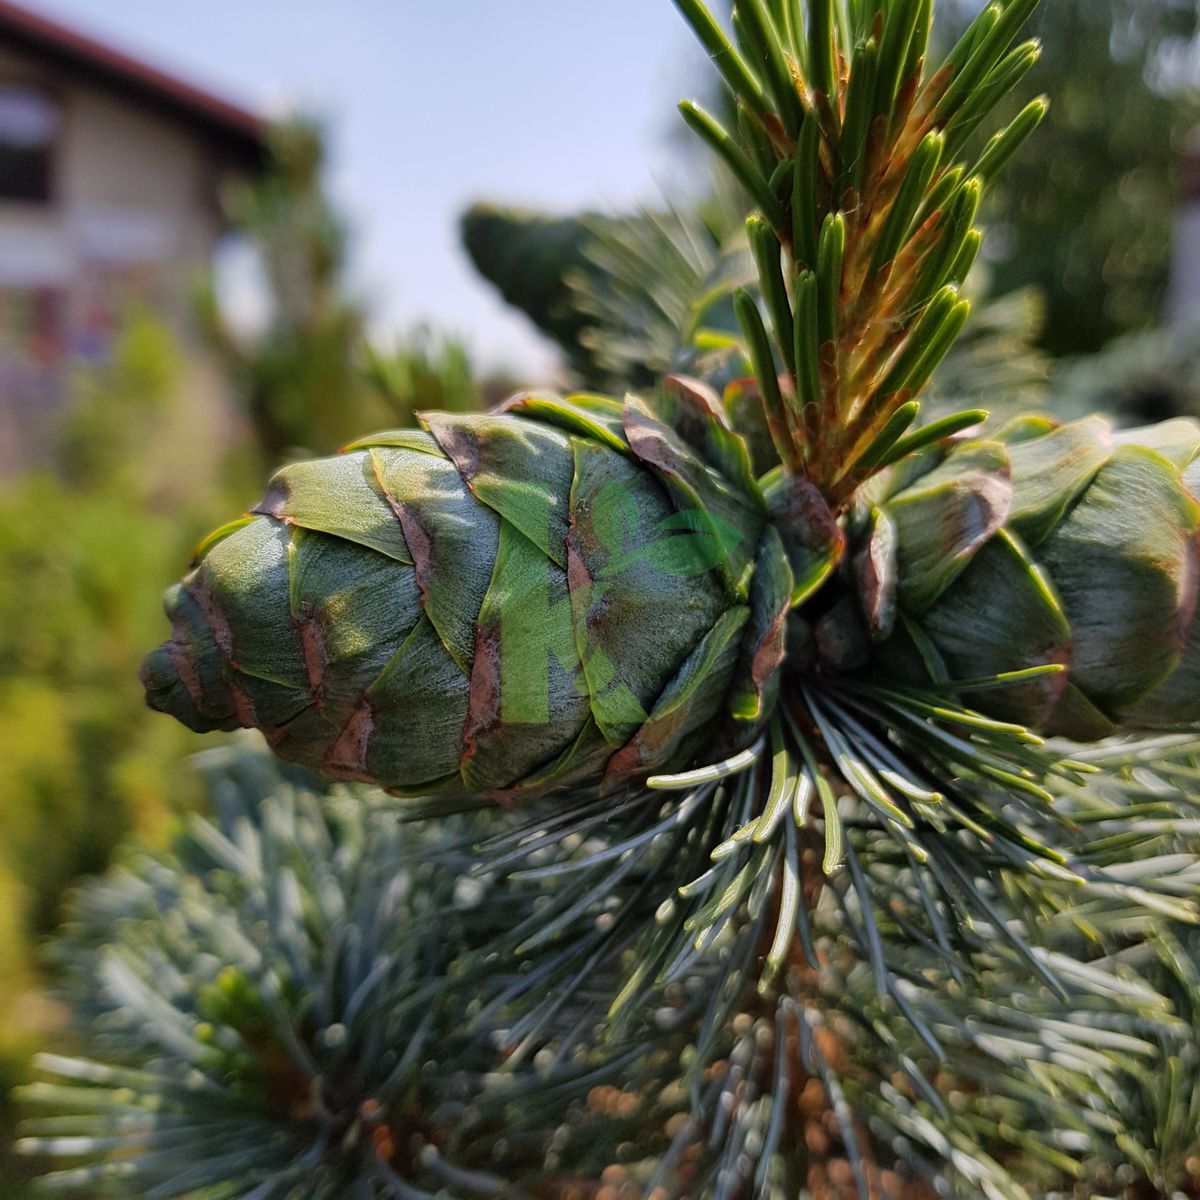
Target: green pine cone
x=504 y=604
x=1044 y=544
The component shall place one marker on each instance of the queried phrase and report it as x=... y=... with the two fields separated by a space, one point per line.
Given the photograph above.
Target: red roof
x=240 y=131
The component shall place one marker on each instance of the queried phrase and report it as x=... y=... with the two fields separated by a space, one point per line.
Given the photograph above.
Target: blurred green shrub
x=1084 y=213
x=423 y=370
x=297 y=378
x=84 y=555
x=1139 y=378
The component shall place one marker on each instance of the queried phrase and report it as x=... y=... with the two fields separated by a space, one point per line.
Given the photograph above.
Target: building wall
x=133 y=218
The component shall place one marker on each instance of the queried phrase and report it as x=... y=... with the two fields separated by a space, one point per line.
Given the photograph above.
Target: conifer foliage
x=747 y=855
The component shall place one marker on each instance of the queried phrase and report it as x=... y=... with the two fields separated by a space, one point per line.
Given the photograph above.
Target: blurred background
x=235 y=233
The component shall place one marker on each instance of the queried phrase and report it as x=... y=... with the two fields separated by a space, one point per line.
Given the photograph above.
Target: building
x=110 y=178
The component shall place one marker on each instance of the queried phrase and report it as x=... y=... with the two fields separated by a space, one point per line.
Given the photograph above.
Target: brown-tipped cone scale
x=507 y=604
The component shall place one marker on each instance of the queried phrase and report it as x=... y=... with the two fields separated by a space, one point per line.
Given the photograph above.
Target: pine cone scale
x=349 y=504
x=1127 y=587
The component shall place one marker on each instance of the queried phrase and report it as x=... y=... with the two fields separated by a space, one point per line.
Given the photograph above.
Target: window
x=28 y=124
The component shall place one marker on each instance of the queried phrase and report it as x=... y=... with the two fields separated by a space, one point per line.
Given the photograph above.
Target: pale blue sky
x=563 y=103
